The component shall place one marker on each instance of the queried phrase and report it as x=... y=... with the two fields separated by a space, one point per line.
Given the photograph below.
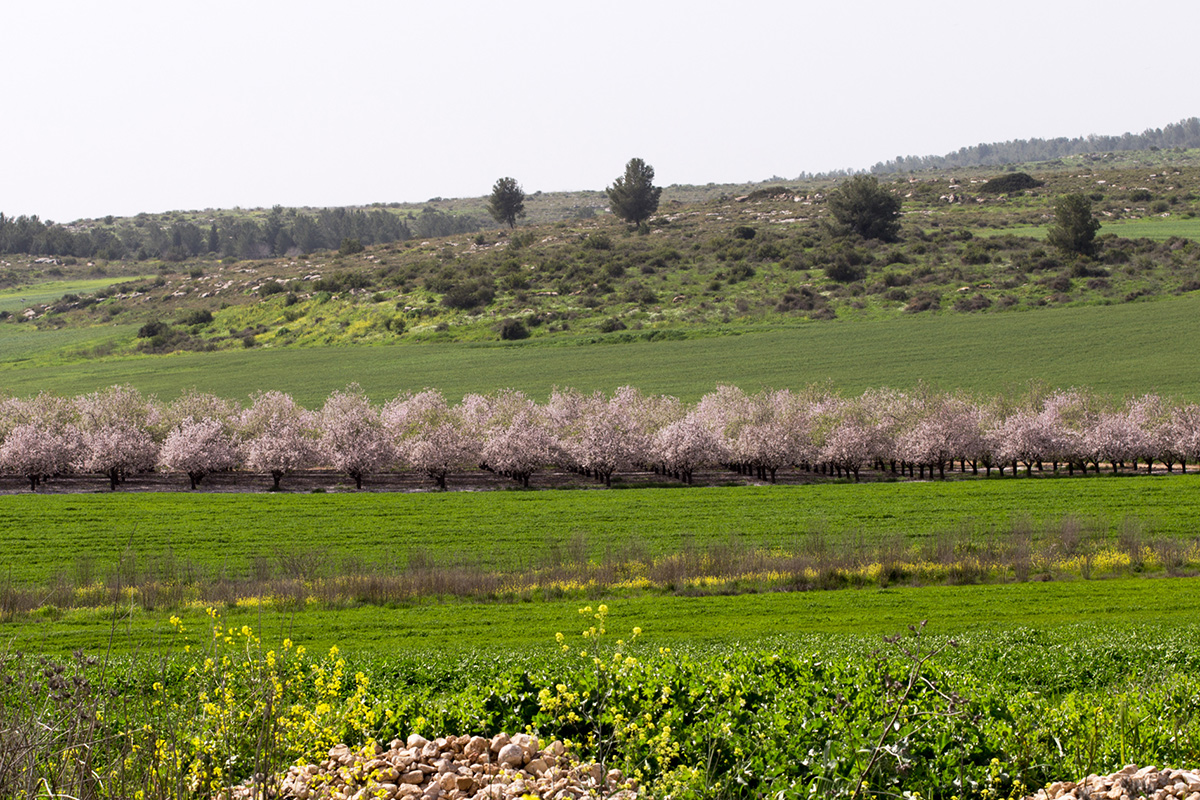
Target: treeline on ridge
x=1183 y=134
x=280 y=232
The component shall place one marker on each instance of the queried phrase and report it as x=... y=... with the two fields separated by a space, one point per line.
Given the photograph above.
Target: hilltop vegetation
x=767 y=257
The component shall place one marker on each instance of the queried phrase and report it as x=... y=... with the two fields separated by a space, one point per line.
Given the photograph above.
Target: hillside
x=712 y=261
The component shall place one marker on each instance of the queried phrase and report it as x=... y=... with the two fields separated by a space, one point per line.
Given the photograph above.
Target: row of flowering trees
x=118 y=432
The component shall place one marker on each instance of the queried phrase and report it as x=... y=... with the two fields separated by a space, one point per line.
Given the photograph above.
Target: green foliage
x=863 y=206
x=844 y=271
x=469 y=295
x=633 y=196
x=507 y=202
x=513 y=329
x=200 y=316
x=994 y=712
x=151 y=329
x=1011 y=182
x=350 y=246
x=1074 y=228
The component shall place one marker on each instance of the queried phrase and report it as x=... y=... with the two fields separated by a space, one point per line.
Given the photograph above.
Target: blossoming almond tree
x=38 y=451
x=278 y=436
x=115 y=425
x=429 y=436
x=353 y=437
x=198 y=447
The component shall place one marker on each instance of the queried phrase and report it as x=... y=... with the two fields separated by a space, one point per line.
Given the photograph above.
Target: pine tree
x=507 y=203
x=633 y=196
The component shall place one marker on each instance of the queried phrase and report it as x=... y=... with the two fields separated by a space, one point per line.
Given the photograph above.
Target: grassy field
x=1156 y=228
x=506 y=531
x=1119 y=350
x=20 y=298
x=712 y=621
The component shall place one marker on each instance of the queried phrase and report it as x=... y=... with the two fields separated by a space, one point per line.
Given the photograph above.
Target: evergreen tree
x=866 y=208
x=633 y=196
x=507 y=203
x=1074 y=228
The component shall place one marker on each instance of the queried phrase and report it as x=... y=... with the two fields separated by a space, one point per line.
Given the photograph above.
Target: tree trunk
x=277 y=475
x=114 y=477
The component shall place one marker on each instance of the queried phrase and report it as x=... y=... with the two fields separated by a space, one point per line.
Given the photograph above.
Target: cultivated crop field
x=508 y=530
x=1149 y=350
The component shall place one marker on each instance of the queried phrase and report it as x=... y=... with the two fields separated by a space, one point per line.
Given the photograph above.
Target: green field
x=1119 y=350
x=510 y=530
x=713 y=621
x=1156 y=228
x=23 y=297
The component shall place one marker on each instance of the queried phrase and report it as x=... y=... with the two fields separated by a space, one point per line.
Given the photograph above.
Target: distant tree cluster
x=119 y=432
x=1185 y=134
x=280 y=232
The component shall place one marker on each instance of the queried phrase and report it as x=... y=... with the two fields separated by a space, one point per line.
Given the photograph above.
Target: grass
x=463 y=628
x=1155 y=228
x=18 y=299
x=222 y=534
x=1119 y=350
x=23 y=344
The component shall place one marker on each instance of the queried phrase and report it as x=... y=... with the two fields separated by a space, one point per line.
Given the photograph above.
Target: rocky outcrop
x=450 y=768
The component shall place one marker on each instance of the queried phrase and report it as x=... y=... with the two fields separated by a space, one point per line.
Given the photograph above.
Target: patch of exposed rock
x=450 y=768
x=1128 y=784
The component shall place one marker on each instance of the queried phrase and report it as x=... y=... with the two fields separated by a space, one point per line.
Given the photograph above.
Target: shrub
x=611 y=325
x=802 y=299
x=201 y=316
x=1140 y=196
x=843 y=271
x=740 y=272
x=744 y=232
x=513 y=329
x=469 y=295
x=1013 y=182
x=975 y=253
x=768 y=251
x=350 y=247
x=923 y=301
x=872 y=211
x=598 y=241
x=976 y=302
x=152 y=329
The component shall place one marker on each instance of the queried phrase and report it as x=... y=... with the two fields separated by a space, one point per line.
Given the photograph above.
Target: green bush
x=513 y=329
x=1012 y=182
x=200 y=316
x=843 y=271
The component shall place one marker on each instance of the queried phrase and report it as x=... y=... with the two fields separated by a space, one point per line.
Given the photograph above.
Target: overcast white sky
x=118 y=107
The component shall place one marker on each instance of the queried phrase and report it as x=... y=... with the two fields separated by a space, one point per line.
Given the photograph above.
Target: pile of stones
x=1128 y=784
x=449 y=768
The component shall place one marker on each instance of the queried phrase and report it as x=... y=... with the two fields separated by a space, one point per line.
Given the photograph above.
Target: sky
x=122 y=107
